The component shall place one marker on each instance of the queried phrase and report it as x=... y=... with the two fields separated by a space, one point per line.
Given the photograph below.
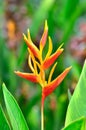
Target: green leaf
x=70 y=8
x=3 y=121
x=40 y=15
x=69 y=94
x=76 y=125
x=16 y=117
x=77 y=105
x=71 y=12
x=76 y=67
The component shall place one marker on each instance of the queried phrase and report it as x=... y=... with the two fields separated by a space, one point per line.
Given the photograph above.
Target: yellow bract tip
x=61 y=45
x=46 y=25
x=62 y=49
x=24 y=36
x=49 y=38
x=28 y=30
x=69 y=68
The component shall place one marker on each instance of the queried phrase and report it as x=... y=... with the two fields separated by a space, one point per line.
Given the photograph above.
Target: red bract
x=44 y=37
x=50 y=60
x=31 y=77
x=49 y=88
x=31 y=46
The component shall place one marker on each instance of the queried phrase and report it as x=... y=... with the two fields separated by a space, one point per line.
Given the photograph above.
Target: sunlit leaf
x=16 y=117
x=3 y=121
x=77 y=105
x=76 y=125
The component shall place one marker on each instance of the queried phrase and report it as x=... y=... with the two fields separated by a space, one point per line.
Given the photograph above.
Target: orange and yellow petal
x=49 y=48
x=44 y=36
x=51 y=72
x=31 y=46
x=49 y=88
x=31 y=77
x=32 y=58
x=50 y=60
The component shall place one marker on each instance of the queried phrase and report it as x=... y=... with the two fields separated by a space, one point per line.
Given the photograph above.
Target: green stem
x=42 y=113
x=42 y=119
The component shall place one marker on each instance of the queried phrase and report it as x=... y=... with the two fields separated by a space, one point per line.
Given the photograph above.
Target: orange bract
x=39 y=76
x=50 y=60
x=49 y=88
x=28 y=76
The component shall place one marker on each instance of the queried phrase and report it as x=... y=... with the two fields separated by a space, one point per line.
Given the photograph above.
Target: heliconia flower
x=39 y=77
x=38 y=65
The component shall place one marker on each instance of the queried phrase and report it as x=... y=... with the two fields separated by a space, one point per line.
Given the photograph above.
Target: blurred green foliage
x=64 y=19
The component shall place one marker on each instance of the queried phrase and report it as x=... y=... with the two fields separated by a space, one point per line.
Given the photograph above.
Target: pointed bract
x=28 y=76
x=44 y=36
x=51 y=72
x=50 y=60
x=49 y=48
x=32 y=47
x=49 y=88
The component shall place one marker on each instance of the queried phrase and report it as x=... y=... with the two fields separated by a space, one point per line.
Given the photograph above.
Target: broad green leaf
x=76 y=125
x=3 y=121
x=77 y=105
x=16 y=117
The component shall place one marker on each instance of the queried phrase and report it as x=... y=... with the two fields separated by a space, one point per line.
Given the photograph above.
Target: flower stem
x=42 y=119
x=42 y=113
